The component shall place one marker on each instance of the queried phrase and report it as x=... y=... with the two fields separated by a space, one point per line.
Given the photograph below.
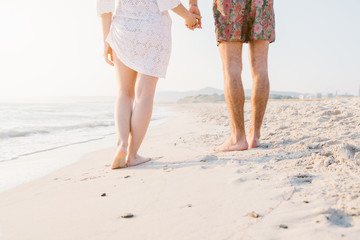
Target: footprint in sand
x=315 y=146
x=347 y=151
x=302 y=179
x=208 y=158
x=323 y=119
x=338 y=218
x=331 y=113
x=237 y=181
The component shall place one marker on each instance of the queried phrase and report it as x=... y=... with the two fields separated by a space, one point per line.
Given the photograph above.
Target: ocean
x=28 y=127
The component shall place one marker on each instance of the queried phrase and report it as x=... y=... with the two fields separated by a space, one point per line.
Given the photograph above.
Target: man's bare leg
x=258 y=55
x=234 y=94
x=126 y=78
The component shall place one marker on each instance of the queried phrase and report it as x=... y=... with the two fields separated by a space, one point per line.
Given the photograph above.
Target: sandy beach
x=302 y=183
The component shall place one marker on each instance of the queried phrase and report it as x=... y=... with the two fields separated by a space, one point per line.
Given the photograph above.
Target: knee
x=144 y=94
x=259 y=69
x=233 y=72
x=260 y=76
x=145 y=89
x=127 y=93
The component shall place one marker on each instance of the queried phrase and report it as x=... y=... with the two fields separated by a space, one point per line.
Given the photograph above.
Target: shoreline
x=22 y=166
x=57 y=125
x=57 y=147
x=299 y=184
x=25 y=168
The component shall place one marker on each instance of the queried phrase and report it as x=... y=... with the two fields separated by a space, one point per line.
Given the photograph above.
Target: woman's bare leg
x=126 y=78
x=140 y=119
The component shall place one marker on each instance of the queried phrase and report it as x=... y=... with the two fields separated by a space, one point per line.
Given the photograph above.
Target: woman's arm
x=106 y=24
x=105 y=8
x=191 y=20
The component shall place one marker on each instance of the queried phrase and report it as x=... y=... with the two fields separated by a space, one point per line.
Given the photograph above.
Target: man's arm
x=193 y=8
x=193 y=2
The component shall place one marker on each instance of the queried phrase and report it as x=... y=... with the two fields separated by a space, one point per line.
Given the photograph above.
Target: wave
x=13 y=133
x=48 y=148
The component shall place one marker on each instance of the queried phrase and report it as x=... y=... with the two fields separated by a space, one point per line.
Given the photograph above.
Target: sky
x=54 y=48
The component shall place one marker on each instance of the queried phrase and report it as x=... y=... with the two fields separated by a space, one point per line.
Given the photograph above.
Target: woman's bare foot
x=233 y=145
x=133 y=161
x=119 y=159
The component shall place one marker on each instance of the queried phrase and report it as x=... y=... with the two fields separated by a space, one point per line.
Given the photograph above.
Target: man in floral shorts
x=238 y=22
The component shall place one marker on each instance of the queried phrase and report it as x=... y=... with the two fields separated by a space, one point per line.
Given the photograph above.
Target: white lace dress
x=140 y=33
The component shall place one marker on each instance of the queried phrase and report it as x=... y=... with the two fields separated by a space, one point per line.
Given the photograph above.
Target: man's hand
x=195 y=10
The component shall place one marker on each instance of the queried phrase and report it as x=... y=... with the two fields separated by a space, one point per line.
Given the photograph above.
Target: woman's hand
x=108 y=52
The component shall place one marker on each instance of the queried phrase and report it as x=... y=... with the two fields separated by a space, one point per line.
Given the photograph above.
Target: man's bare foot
x=119 y=159
x=133 y=161
x=253 y=140
x=232 y=145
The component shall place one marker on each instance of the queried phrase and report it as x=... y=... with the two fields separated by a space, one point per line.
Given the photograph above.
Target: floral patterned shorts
x=244 y=20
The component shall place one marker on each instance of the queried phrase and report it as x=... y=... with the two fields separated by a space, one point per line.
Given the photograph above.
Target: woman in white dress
x=137 y=41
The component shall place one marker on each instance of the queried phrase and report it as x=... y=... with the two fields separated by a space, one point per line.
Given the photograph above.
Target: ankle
x=131 y=156
x=238 y=136
x=254 y=133
x=122 y=146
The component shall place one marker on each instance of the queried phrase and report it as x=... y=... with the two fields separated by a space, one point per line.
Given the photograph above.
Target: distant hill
x=276 y=94
x=208 y=94
x=203 y=98
x=291 y=94
x=215 y=98
x=174 y=96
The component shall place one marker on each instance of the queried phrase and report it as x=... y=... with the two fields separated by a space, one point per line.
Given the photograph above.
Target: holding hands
x=194 y=10
x=192 y=21
x=192 y=16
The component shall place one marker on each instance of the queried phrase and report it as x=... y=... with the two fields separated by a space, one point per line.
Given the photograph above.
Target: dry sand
x=302 y=183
